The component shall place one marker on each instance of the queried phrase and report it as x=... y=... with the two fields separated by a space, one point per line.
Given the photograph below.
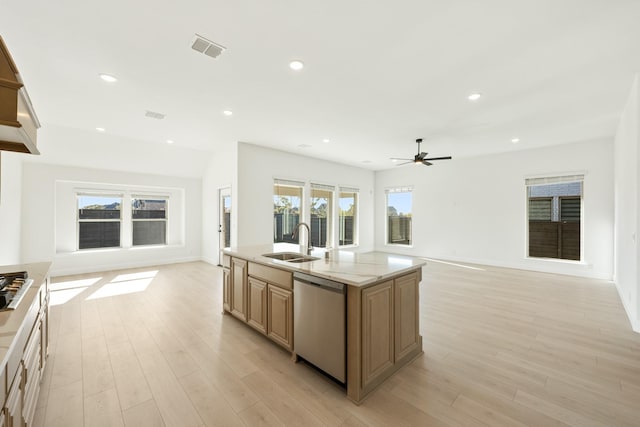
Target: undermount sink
x=291 y=257
x=305 y=258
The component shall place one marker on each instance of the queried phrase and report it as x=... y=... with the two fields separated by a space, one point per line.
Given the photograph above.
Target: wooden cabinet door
x=226 y=289
x=13 y=405
x=407 y=332
x=377 y=331
x=257 y=304
x=280 y=316
x=239 y=288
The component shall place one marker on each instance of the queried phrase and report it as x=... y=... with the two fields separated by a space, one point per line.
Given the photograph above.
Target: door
x=407 y=334
x=239 y=288
x=377 y=331
x=224 y=219
x=280 y=316
x=257 y=304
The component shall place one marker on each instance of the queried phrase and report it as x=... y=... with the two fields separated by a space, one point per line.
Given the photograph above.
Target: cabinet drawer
x=30 y=403
x=21 y=339
x=30 y=400
x=275 y=276
x=31 y=358
x=3 y=386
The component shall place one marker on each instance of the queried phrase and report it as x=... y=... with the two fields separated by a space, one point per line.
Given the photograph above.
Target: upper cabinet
x=18 y=120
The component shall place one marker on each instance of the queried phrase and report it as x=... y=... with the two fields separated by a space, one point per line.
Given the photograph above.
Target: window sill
x=557 y=260
x=348 y=246
x=398 y=245
x=121 y=249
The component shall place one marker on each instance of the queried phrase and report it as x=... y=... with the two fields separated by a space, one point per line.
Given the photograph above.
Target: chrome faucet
x=295 y=230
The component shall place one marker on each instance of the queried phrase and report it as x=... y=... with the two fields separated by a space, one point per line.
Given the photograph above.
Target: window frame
x=301 y=212
x=541 y=180
x=120 y=220
x=330 y=211
x=126 y=196
x=392 y=190
x=356 y=218
x=133 y=197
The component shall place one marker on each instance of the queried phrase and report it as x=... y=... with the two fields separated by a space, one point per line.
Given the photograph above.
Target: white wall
x=44 y=194
x=474 y=209
x=73 y=147
x=10 y=206
x=627 y=187
x=258 y=166
x=220 y=173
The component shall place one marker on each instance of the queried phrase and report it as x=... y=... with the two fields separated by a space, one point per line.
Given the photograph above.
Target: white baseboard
x=209 y=260
x=635 y=323
x=94 y=268
x=542 y=265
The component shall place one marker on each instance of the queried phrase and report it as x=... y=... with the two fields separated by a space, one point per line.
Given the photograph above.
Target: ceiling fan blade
x=439 y=158
x=422 y=155
x=424 y=162
x=405 y=163
x=398 y=158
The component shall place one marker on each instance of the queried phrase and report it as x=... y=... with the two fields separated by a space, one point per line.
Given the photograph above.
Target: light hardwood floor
x=150 y=347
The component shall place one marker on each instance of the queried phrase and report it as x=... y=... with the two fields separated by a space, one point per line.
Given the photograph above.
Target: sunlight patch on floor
x=121 y=288
x=135 y=276
x=72 y=284
x=63 y=292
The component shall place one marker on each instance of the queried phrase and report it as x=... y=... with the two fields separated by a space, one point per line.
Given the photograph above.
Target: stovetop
x=13 y=286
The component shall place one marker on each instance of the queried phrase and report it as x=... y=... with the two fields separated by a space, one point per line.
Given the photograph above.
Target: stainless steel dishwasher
x=319 y=329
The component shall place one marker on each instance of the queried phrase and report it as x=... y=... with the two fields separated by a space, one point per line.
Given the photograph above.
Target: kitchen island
x=382 y=305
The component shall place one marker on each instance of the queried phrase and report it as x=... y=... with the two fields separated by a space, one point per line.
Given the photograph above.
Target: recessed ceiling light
x=227 y=112
x=169 y=141
x=296 y=65
x=474 y=96
x=100 y=129
x=394 y=160
x=108 y=78
x=326 y=141
x=515 y=140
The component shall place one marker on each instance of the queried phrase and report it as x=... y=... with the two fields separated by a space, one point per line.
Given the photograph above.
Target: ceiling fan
x=421 y=157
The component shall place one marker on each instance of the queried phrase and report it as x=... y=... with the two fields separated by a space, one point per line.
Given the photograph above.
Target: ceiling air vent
x=207 y=47
x=154 y=115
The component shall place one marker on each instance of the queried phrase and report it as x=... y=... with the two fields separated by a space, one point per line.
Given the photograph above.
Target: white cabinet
x=31 y=373
x=13 y=405
x=22 y=371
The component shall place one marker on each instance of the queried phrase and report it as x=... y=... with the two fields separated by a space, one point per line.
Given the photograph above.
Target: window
x=347 y=211
x=554 y=217
x=399 y=216
x=321 y=209
x=287 y=198
x=99 y=220
x=149 y=221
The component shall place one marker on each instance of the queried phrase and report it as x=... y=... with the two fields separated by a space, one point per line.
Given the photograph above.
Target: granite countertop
x=351 y=268
x=11 y=321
